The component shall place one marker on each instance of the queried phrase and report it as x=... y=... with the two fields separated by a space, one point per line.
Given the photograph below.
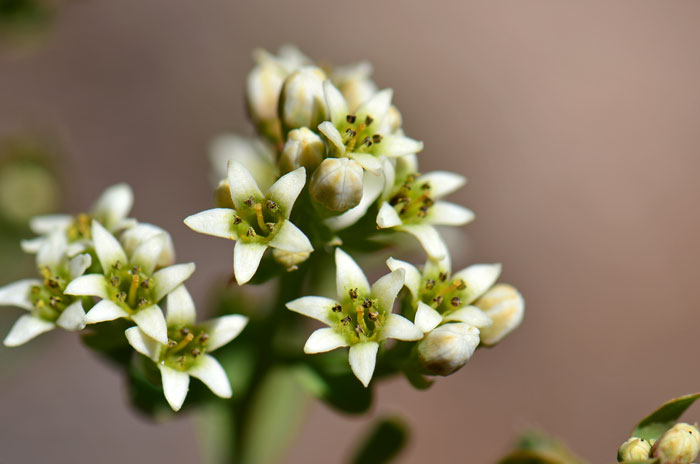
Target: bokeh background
x=577 y=123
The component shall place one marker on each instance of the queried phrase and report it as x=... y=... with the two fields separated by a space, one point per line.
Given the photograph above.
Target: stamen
x=358 y=329
x=249 y=201
x=115 y=281
x=438 y=300
x=237 y=220
x=376 y=138
x=367 y=303
x=373 y=316
x=353 y=293
x=456 y=301
x=337 y=308
x=346 y=320
x=271 y=205
x=443 y=276
x=251 y=232
x=350 y=118
x=430 y=284
x=369 y=120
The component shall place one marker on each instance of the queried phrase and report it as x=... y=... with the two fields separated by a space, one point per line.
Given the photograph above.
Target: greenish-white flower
x=448 y=347
x=255 y=154
x=44 y=299
x=257 y=221
x=361 y=317
x=130 y=286
x=355 y=83
x=337 y=184
x=186 y=352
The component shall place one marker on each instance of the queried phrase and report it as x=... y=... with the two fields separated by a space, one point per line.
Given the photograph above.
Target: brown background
x=577 y=124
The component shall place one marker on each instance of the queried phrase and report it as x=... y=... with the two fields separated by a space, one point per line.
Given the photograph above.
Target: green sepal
x=659 y=421
x=383 y=443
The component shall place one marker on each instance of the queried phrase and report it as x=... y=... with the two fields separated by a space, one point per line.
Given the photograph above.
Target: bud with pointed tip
x=679 y=445
x=302 y=103
x=447 y=348
x=303 y=148
x=337 y=184
x=506 y=307
x=634 y=449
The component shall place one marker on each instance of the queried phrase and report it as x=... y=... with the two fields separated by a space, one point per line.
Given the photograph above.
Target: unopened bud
x=263 y=88
x=302 y=103
x=506 y=307
x=354 y=83
x=289 y=259
x=337 y=184
x=448 y=347
x=303 y=148
x=634 y=449
x=679 y=445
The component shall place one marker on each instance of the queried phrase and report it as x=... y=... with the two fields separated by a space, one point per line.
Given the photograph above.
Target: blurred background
x=576 y=123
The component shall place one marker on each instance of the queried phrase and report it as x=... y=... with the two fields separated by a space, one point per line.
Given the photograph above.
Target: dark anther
x=115 y=281
x=430 y=284
x=117 y=265
x=203 y=337
x=367 y=141
x=376 y=138
x=52 y=283
x=181 y=360
x=172 y=343
x=425 y=186
x=350 y=118
x=443 y=276
x=427 y=201
x=251 y=232
x=438 y=300
x=142 y=302
x=351 y=132
x=358 y=329
x=146 y=283
x=367 y=303
x=368 y=120
x=184 y=331
x=373 y=315
x=121 y=296
x=249 y=201
x=195 y=353
x=54 y=301
x=404 y=210
x=270 y=226
x=237 y=220
x=461 y=285
x=396 y=199
x=353 y=293
x=337 y=308
x=455 y=301
x=346 y=320
x=135 y=270
x=271 y=205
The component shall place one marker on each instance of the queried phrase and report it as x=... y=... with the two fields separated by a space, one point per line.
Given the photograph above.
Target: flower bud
x=448 y=347
x=354 y=83
x=679 y=445
x=634 y=449
x=290 y=260
x=337 y=184
x=302 y=103
x=263 y=88
x=506 y=307
x=303 y=148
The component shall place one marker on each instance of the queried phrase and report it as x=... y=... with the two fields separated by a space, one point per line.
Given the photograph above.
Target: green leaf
x=537 y=448
x=108 y=340
x=659 y=421
x=383 y=443
x=341 y=390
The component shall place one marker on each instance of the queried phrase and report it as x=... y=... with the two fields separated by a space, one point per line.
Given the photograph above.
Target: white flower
x=44 y=299
x=258 y=221
x=360 y=318
x=141 y=232
x=301 y=100
x=504 y=305
x=185 y=353
x=129 y=286
x=411 y=203
x=257 y=156
x=448 y=347
x=354 y=83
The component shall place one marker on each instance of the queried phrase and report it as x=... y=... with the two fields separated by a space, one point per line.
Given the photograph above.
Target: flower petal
x=470 y=315
x=252 y=153
x=168 y=278
x=348 y=275
x=223 y=329
x=88 y=285
x=217 y=222
x=506 y=307
x=52 y=251
x=107 y=247
x=371 y=188
x=143 y=343
x=209 y=371
x=387 y=287
x=105 y=310
x=316 y=307
x=181 y=309
x=368 y=162
x=479 y=278
x=363 y=357
x=412 y=277
x=78 y=265
x=377 y=106
x=285 y=191
x=449 y=214
x=152 y=322
x=73 y=317
x=336 y=147
x=32 y=245
x=394 y=146
x=400 y=328
x=337 y=107
x=388 y=217
x=427 y=318
x=291 y=238
x=241 y=184
x=246 y=259
x=18 y=293
x=139 y=233
x=429 y=239
x=322 y=340
x=441 y=183
x=26 y=328
x=43 y=225
x=146 y=255
x=114 y=205
x=175 y=386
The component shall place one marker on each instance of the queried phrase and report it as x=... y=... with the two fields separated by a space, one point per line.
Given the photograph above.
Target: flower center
x=80 y=228
x=359 y=136
x=443 y=294
x=185 y=345
x=48 y=299
x=258 y=220
x=359 y=318
x=131 y=288
x=412 y=201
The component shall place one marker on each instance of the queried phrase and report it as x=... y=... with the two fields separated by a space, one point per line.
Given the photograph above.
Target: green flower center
x=359 y=136
x=443 y=294
x=48 y=299
x=185 y=345
x=130 y=288
x=411 y=201
x=80 y=228
x=257 y=221
x=358 y=318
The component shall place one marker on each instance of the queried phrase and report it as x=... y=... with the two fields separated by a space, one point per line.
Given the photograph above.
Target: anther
x=353 y=293
x=54 y=300
x=368 y=120
x=443 y=276
x=456 y=301
x=358 y=329
x=430 y=284
x=172 y=343
x=350 y=118
x=346 y=320
x=367 y=303
x=271 y=205
x=146 y=283
x=270 y=226
x=459 y=284
x=251 y=232
x=373 y=316
x=367 y=141
x=351 y=132
x=117 y=265
x=337 y=308
x=184 y=331
x=376 y=138
x=438 y=300
x=195 y=353
x=121 y=297
x=237 y=220
x=249 y=201
x=115 y=281
x=203 y=337
x=425 y=186
x=142 y=302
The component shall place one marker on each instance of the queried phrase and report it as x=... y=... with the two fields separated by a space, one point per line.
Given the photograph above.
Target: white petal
x=88 y=285
x=335 y=103
x=412 y=279
x=175 y=386
x=152 y=322
x=479 y=278
x=506 y=307
x=52 y=251
x=394 y=146
x=105 y=310
x=143 y=343
x=429 y=239
x=139 y=233
x=377 y=106
x=441 y=182
x=363 y=358
x=147 y=253
x=470 y=315
x=368 y=162
x=241 y=184
x=285 y=191
x=33 y=245
x=389 y=178
x=181 y=309
x=400 y=328
x=252 y=153
x=427 y=318
x=291 y=238
x=26 y=328
x=114 y=205
x=18 y=293
x=107 y=247
x=335 y=140
x=168 y=278
x=387 y=287
x=316 y=307
x=223 y=329
x=348 y=274
x=246 y=259
x=217 y=222
x=322 y=340
x=48 y=223
x=209 y=371
x=371 y=188
x=78 y=265
x=73 y=317
x=449 y=214
x=388 y=217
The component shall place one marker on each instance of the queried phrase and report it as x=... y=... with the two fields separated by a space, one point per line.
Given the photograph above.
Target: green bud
x=634 y=449
x=447 y=348
x=302 y=103
x=337 y=184
x=303 y=148
x=679 y=445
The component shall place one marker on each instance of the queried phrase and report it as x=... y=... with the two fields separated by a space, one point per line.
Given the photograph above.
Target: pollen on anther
x=438 y=300
x=376 y=138
x=369 y=120
x=249 y=201
x=350 y=118
x=367 y=303
x=353 y=293
x=237 y=220
x=346 y=320
x=430 y=284
x=271 y=205
x=358 y=329
x=456 y=301
x=443 y=276
x=337 y=308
